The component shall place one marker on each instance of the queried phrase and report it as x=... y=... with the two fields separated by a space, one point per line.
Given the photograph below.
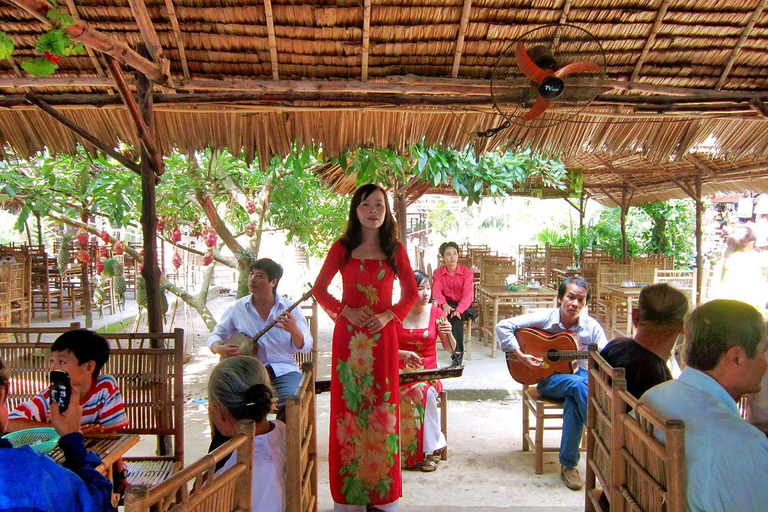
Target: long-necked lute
x=558 y=351
x=249 y=344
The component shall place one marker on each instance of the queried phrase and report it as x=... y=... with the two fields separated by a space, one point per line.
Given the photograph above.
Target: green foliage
x=6 y=46
x=655 y=228
x=549 y=236
x=38 y=66
x=441 y=219
x=492 y=174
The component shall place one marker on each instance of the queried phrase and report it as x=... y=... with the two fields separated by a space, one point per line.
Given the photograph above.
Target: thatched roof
x=683 y=77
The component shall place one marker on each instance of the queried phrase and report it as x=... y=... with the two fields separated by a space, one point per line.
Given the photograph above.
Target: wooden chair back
x=301 y=445
x=683 y=280
x=602 y=449
x=38 y=334
x=310 y=314
x=558 y=256
x=533 y=263
x=651 y=474
x=198 y=488
x=148 y=368
x=495 y=269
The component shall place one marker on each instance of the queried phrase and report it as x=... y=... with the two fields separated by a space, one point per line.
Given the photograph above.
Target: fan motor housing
x=551 y=88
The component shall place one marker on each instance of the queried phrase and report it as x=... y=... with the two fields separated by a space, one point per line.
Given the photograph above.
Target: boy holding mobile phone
x=82 y=354
x=75 y=486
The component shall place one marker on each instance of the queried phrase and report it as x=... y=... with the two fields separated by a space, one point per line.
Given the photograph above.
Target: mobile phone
x=60 y=389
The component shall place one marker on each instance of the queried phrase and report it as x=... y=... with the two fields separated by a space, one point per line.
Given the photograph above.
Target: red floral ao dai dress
x=364 y=445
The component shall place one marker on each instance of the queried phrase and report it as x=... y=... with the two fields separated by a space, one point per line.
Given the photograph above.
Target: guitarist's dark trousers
x=285 y=385
x=457 y=325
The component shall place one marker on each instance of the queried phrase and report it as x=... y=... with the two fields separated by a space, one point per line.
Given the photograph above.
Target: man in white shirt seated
x=573 y=295
x=251 y=314
x=726 y=458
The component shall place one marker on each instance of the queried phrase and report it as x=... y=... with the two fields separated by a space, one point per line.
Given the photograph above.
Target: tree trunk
x=150 y=272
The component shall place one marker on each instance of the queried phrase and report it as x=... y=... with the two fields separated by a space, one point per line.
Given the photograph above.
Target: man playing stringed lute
x=250 y=314
x=573 y=295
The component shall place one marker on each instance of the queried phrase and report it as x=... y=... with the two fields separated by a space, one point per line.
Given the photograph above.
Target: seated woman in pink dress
x=421 y=438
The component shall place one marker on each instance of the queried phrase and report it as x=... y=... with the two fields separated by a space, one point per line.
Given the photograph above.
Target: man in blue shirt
x=573 y=295
x=726 y=458
x=32 y=482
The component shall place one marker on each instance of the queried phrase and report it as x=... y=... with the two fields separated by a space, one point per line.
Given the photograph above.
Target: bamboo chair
x=229 y=491
x=558 y=256
x=533 y=263
x=683 y=280
x=609 y=274
x=45 y=285
x=650 y=473
x=301 y=445
x=310 y=314
x=150 y=379
x=602 y=421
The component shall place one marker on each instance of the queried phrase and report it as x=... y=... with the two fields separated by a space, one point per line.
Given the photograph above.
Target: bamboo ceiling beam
x=759 y=106
x=82 y=32
x=745 y=33
x=93 y=140
x=138 y=118
x=58 y=81
x=178 y=37
x=149 y=36
x=272 y=39
x=366 y=39
x=91 y=54
x=655 y=28
x=563 y=21
x=460 y=41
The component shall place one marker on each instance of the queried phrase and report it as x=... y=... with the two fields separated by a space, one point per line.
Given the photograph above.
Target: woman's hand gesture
x=357 y=316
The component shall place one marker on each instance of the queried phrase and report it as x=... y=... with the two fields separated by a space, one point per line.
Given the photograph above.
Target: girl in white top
x=239 y=389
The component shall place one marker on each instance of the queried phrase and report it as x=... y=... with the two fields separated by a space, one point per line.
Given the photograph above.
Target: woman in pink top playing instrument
x=453 y=288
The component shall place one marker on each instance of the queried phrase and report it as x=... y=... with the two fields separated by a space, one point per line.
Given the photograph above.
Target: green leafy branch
x=52 y=46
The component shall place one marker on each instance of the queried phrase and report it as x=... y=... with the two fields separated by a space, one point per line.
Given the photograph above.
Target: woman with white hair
x=239 y=389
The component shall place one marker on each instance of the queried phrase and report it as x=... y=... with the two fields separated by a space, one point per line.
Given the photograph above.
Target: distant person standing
x=453 y=288
x=740 y=274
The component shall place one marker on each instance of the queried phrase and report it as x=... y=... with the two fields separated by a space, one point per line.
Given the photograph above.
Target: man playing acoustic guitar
x=573 y=295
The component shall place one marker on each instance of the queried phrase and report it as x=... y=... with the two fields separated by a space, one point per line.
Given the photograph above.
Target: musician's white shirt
x=587 y=329
x=275 y=347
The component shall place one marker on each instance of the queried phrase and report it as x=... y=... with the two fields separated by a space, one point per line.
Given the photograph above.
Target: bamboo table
x=109 y=447
x=492 y=297
x=619 y=297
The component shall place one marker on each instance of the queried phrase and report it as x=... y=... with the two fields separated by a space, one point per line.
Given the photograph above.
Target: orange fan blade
x=578 y=67
x=538 y=108
x=527 y=66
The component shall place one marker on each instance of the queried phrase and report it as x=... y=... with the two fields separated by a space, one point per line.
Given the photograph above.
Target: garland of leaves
x=52 y=46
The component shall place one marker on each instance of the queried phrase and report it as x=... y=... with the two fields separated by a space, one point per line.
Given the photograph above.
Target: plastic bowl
x=514 y=287
x=42 y=440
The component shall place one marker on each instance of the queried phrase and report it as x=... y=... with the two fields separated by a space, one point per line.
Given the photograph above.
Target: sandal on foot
x=428 y=465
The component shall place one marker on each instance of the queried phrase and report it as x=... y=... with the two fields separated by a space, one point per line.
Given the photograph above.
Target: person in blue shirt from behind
x=726 y=458
x=32 y=482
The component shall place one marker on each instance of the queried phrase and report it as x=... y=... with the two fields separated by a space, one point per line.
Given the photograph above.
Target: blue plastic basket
x=42 y=440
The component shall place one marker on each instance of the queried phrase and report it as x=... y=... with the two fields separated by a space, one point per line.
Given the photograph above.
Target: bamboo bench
x=150 y=379
x=228 y=491
x=301 y=445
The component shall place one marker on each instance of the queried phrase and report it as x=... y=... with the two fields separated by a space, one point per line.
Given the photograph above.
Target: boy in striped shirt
x=82 y=354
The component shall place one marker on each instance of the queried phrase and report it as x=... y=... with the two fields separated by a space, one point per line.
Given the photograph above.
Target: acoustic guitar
x=559 y=352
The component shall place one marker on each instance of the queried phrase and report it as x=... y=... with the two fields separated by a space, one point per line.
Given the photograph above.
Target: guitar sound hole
x=553 y=356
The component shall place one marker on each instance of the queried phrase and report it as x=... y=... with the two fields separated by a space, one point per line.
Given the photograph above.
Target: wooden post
x=624 y=208
x=401 y=205
x=85 y=285
x=150 y=272
x=699 y=212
